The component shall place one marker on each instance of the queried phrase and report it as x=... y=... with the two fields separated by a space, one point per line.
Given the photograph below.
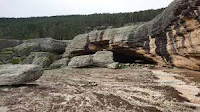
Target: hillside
x=67 y=27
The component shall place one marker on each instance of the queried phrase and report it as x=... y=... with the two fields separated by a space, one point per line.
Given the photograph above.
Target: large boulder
x=40 y=45
x=49 y=44
x=44 y=59
x=78 y=46
x=171 y=38
x=19 y=74
x=103 y=58
x=81 y=61
x=6 y=43
x=60 y=63
x=25 y=49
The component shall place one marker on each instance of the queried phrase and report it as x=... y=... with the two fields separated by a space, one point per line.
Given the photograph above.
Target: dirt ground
x=105 y=90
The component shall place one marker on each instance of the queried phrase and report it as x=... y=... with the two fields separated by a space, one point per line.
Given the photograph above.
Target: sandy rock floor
x=103 y=90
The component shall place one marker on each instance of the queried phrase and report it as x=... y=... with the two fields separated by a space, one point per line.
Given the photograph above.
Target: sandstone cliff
x=172 y=38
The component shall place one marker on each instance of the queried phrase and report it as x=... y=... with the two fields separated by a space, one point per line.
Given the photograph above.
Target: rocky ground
x=103 y=90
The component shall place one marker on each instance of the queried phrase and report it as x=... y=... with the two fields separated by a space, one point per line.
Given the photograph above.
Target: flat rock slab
x=19 y=74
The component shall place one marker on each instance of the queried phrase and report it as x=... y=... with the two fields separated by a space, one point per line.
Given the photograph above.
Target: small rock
x=139 y=61
x=151 y=66
x=128 y=64
x=113 y=65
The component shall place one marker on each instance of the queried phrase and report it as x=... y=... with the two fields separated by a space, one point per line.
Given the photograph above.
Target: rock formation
x=103 y=58
x=19 y=74
x=43 y=59
x=60 y=63
x=81 y=61
x=49 y=44
x=46 y=50
x=172 y=38
x=99 y=59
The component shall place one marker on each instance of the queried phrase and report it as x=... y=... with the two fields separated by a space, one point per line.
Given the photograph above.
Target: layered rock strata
x=172 y=38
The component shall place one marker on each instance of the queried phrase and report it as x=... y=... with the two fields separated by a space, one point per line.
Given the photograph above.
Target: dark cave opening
x=124 y=58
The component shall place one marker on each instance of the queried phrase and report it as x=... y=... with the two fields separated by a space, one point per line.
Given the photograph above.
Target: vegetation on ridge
x=67 y=27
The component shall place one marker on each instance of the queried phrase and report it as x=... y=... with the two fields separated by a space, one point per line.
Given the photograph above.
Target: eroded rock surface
x=60 y=63
x=172 y=38
x=81 y=61
x=103 y=58
x=49 y=44
x=44 y=59
x=19 y=74
x=99 y=90
x=99 y=59
x=24 y=51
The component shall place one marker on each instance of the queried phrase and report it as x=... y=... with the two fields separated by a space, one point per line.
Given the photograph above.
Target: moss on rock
x=15 y=60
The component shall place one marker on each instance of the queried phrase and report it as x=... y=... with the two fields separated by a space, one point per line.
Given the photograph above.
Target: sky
x=35 y=8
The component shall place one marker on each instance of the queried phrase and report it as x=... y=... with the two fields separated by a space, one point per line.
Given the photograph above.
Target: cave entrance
x=136 y=58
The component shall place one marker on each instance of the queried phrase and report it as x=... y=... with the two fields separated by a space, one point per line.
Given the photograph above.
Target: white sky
x=30 y=8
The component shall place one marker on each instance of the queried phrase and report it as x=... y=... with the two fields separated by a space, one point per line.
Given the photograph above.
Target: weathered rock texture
x=99 y=59
x=20 y=51
x=49 y=44
x=19 y=74
x=103 y=58
x=113 y=65
x=43 y=59
x=60 y=63
x=81 y=61
x=171 y=38
x=104 y=90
